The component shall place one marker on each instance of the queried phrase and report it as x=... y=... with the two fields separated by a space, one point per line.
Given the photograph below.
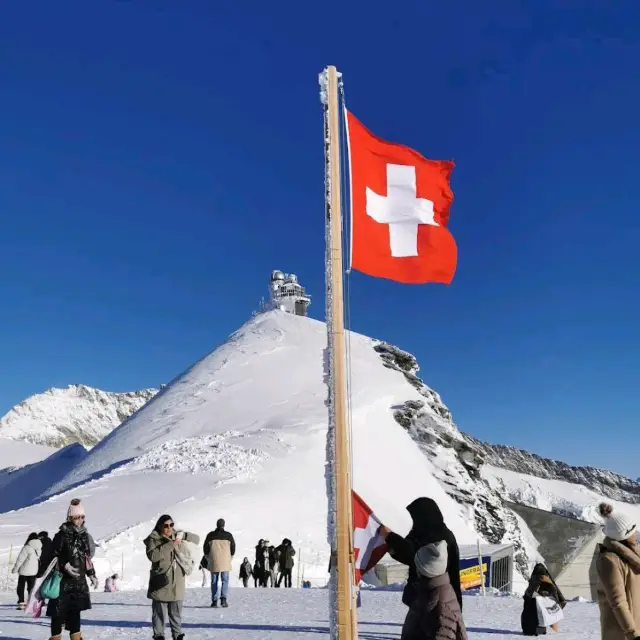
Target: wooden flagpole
x=344 y=553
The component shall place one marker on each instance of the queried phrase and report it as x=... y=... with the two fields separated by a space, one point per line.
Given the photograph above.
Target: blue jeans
x=214 y=585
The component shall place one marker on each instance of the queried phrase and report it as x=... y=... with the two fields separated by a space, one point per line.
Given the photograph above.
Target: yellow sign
x=470 y=578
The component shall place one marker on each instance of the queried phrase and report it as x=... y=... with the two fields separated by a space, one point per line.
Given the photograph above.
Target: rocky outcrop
x=456 y=461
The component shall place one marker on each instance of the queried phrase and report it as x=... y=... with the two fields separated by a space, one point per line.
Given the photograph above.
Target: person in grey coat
x=167 y=577
x=26 y=566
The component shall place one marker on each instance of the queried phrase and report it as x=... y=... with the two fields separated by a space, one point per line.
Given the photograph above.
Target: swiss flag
x=400 y=208
x=369 y=547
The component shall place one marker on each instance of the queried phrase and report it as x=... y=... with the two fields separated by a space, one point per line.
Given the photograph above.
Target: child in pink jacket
x=435 y=613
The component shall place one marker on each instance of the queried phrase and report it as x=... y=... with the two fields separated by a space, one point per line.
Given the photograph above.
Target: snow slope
x=558 y=496
x=288 y=614
x=17 y=453
x=59 y=417
x=242 y=435
x=603 y=482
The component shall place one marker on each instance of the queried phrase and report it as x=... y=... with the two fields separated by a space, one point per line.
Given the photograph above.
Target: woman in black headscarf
x=428 y=527
x=540 y=583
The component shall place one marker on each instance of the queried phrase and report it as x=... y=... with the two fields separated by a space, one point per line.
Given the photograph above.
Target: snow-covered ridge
x=605 y=483
x=556 y=496
x=59 y=417
x=241 y=434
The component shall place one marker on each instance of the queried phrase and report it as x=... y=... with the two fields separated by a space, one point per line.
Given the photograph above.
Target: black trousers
x=25 y=581
x=71 y=622
x=286 y=574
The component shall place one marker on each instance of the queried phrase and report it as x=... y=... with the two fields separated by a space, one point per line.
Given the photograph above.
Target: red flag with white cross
x=400 y=210
x=369 y=546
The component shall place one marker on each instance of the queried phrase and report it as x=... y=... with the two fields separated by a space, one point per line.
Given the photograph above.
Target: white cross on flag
x=400 y=204
x=369 y=547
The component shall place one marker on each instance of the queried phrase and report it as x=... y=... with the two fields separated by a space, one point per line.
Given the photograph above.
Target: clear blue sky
x=156 y=163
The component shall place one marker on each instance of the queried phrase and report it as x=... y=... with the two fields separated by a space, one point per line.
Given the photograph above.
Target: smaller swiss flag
x=400 y=209
x=369 y=547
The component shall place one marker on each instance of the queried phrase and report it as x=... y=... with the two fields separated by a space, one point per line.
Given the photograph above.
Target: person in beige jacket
x=618 y=567
x=219 y=549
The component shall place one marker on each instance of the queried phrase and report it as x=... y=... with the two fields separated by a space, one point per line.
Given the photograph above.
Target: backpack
x=184 y=559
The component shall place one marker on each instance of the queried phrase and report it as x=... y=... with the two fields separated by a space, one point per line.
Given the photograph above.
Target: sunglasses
x=168 y=525
x=77 y=517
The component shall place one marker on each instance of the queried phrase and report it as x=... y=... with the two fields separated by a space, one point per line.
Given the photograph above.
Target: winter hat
x=431 y=560
x=220 y=524
x=75 y=509
x=616 y=525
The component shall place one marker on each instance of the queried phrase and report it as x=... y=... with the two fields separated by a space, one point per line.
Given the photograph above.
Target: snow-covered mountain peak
x=78 y=413
x=242 y=435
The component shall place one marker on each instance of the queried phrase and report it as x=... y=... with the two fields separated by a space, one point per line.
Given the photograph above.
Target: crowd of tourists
x=58 y=571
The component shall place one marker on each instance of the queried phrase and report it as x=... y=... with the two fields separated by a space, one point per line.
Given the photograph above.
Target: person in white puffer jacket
x=26 y=566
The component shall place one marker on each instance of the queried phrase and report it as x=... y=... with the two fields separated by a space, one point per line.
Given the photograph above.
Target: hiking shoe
x=158 y=637
x=180 y=637
x=214 y=604
x=223 y=602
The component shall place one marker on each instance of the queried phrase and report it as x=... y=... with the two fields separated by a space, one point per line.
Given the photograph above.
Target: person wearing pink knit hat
x=73 y=547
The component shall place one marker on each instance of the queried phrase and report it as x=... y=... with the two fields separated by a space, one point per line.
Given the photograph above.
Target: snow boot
x=180 y=637
x=158 y=637
x=56 y=638
x=76 y=636
x=223 y=602
x=214 y=604
x=20 y=606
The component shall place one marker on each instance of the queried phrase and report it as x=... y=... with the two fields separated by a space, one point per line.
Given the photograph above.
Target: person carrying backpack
x=169 y=566
x=73 y=547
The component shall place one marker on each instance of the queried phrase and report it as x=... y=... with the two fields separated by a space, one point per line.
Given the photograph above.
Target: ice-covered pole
x=341 y=607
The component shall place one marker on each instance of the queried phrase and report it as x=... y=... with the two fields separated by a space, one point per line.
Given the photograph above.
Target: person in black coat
x=540 y=583
x=428 y=527
x=73 y=547
x=44 y=538
x=262 y=563
x=286 y=552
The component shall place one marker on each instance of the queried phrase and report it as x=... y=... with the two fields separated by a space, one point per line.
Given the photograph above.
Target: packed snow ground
x=286 y=614
x=240 y=435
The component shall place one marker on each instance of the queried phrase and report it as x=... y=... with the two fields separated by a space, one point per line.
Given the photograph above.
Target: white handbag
x=549 y=611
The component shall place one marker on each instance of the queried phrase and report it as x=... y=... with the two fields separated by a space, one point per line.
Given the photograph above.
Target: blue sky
x=159 y=159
